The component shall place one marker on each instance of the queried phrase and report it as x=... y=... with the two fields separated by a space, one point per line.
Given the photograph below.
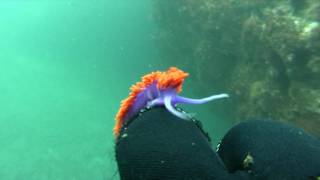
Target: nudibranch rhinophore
x=157 y=89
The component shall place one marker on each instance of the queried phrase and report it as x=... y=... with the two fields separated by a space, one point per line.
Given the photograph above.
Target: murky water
x=65 y=65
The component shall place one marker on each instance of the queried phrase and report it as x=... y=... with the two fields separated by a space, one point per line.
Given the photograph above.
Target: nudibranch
x=157 y=89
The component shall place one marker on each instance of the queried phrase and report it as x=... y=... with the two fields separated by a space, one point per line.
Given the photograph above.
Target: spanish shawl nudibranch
x=156 y=89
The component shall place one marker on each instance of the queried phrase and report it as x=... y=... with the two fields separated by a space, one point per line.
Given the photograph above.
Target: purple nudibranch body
x=169 y=98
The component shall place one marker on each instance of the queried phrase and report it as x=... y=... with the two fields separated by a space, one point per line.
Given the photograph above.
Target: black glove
x=272 y=150
x=159 y=145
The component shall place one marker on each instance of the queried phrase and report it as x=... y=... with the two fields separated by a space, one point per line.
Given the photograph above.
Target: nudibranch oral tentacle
x=158 y=89
x=185 y=100
x=170 y=107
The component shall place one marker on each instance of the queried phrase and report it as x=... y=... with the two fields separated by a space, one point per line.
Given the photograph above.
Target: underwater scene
x=67 y=65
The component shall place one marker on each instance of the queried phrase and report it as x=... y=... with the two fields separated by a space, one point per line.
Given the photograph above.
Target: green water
x=64 y=67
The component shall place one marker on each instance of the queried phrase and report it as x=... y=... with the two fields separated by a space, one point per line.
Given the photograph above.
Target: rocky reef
x=265 y=52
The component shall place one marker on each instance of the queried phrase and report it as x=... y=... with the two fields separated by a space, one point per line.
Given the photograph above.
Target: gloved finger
x=271 y=150
x=159 y=145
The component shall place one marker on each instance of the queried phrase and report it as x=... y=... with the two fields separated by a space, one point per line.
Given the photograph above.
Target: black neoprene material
x=158 y=145
x=279 y=151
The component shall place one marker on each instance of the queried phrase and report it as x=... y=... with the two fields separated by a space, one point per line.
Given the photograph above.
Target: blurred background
x=65 y=65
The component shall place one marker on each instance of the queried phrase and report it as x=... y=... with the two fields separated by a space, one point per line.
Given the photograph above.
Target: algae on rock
x=266 y=53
